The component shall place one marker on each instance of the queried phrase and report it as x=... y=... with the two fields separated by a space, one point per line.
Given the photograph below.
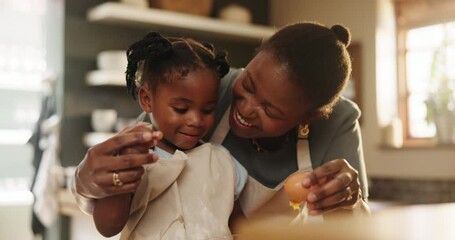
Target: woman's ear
x=145 y=99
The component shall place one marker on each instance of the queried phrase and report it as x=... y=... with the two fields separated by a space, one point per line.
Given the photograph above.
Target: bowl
x=103 y=120
x=112 y=60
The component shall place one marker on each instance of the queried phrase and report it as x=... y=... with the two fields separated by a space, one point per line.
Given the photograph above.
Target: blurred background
x=62 y=70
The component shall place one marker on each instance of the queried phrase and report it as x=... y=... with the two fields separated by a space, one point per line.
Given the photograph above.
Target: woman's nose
x=248 y=108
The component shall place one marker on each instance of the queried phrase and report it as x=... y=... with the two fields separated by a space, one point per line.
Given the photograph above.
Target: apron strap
x=222 y=129
x=304 y=160
x=303 y=150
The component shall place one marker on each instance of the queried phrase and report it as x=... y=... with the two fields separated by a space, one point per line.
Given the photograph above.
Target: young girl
x=190 y=191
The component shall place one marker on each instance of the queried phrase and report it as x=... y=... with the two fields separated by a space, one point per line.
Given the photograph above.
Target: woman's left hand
x=335 y=185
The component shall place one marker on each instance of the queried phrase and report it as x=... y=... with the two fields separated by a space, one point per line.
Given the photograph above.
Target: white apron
x=258 y=201
x=189 y=196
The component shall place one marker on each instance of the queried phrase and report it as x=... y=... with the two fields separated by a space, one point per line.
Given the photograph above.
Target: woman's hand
x=121 y=156
x=337 y=186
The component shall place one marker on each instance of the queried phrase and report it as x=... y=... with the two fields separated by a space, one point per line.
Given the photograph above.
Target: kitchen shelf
x=123 y=14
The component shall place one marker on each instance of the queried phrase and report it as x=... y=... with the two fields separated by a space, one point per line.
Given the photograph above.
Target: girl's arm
x=110 y=214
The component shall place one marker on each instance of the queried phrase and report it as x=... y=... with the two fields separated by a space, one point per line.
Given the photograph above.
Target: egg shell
x=294 y=188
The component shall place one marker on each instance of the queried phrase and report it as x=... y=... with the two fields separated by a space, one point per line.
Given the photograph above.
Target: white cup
x=103 y=120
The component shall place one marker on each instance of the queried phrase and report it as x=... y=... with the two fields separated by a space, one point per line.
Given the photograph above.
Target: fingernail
x=158 y=134
x=147 y=136
x=155 y=158
x=312 y=197
x=149 y=125
x=306 y=182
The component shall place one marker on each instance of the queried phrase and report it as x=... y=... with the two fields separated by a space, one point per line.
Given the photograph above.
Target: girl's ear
x=145 y=99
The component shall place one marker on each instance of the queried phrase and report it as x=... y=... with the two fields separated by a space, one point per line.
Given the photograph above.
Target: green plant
x=440 y=99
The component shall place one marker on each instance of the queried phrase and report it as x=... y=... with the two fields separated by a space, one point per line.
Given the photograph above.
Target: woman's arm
x=336 y=151
x=125 y=153
x=237 y=218
x=110 y=214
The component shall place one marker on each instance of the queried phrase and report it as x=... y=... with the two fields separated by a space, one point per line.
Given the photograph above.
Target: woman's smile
x=240 y=120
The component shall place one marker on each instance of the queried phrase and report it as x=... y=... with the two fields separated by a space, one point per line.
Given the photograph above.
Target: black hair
x=156 y=59
x=317 y=61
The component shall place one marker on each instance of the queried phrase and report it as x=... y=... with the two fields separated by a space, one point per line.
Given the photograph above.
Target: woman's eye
x=245 y=87
x=180 y=110
x=270 y=114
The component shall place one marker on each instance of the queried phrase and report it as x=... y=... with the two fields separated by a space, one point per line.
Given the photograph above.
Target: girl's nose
x=195 y=120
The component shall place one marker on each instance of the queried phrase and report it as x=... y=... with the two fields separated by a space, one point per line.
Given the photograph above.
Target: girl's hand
x=122 y=155
x=337 y=184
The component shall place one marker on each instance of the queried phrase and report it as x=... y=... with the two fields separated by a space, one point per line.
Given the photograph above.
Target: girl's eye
x=180 y=110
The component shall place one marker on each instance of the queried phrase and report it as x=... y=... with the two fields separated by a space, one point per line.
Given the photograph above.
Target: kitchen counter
x=415 y=222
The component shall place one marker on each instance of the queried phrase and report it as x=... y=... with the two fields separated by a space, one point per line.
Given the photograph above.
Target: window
x=426 y=43
x=22 y=66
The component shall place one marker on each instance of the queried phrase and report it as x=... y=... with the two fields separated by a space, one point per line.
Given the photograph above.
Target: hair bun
x=342 y=33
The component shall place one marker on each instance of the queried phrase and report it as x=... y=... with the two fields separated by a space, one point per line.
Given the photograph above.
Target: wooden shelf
x=123 y=14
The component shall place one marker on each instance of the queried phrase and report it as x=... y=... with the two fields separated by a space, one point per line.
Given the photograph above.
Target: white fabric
x=48 y=180
x=241 y=173
x=188 y=196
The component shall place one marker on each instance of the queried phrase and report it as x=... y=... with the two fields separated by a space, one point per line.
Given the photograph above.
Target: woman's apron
x=258 y=201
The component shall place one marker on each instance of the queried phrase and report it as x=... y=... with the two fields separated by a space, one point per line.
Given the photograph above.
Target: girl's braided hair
x=156 y=59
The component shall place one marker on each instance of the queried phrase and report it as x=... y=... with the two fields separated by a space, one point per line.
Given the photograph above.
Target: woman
x=281 y=114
